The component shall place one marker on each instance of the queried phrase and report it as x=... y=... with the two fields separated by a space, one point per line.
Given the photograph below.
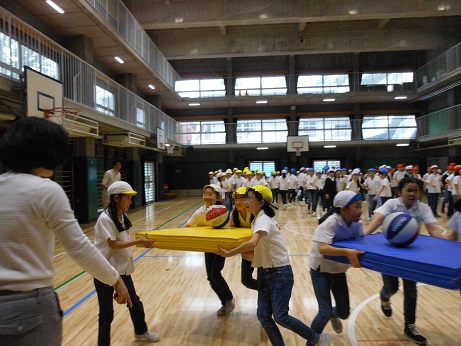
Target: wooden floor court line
x=180 y=305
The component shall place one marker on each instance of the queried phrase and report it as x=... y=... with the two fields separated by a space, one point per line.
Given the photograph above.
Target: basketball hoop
x=298 y=152
x=170 y=148
x=59 y=112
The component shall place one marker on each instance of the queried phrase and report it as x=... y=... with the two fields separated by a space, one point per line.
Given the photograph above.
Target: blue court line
x=73 y=307
x=81 y=301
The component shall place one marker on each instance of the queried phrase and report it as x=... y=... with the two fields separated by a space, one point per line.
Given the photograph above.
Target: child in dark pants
x=241 y=217
x=113 y=241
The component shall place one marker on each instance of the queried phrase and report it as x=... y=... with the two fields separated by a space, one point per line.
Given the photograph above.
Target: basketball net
x=170 y=148
x=58 y=114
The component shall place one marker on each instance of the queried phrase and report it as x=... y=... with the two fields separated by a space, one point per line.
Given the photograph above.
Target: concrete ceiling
x=188 y=31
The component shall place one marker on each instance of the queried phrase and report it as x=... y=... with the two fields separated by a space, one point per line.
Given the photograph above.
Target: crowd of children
x=316 y=188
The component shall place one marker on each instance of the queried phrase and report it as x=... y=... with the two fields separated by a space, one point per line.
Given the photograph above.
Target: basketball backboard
x=297 y=144
x=160 y=138
x=43 y=93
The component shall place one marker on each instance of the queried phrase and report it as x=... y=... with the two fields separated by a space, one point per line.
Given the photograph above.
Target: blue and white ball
x=400 y=229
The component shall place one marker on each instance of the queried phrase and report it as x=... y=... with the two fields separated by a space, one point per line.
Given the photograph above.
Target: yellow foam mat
x=201 y=239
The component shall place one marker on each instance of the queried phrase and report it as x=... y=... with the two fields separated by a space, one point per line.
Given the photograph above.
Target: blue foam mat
x=428 y=260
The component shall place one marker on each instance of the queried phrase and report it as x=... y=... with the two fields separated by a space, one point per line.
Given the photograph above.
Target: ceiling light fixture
x=329 y=100
x=56 y=7
x=194 y=104
x=151 y=86
x=262 y=148
x=119 y=60
x=400 y=97
x=402 y=145
x=167 y=144
x=261 y=101
x=329 y=146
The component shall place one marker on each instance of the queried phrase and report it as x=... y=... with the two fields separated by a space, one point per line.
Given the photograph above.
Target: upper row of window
x=389 y=127
x=277 y=85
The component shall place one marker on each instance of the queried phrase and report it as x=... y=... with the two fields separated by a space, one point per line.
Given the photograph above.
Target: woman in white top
x=275 y=275
x=34 y=211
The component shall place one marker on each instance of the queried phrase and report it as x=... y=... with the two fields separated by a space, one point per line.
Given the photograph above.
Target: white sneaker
x=369 y=219
x=313 y=214
x=147 y=336
x=325 y=340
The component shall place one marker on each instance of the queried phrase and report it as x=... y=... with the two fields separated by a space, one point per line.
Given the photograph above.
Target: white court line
x=356 y=312
x=286 y=227
x=444 y=231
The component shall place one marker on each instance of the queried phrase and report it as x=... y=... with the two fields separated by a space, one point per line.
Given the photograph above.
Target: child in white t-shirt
x=455 y=221
x=275 y=275
x=329 y=277
x=113 y=241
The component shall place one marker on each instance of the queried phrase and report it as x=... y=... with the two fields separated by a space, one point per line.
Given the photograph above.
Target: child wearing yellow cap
x=275 y=275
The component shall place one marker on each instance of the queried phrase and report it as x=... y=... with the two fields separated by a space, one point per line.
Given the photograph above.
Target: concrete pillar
x=81 y=46
x=230 y=80
x=154 y=100
x=128 y=80
x=292 y=77
x=231 y=127
x=356 y=123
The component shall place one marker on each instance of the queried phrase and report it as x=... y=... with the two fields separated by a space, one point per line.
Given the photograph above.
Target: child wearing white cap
x=329 y=277
x=113 y=241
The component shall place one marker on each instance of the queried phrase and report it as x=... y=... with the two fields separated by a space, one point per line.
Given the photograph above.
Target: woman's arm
x=242 y=248
x=351 y=254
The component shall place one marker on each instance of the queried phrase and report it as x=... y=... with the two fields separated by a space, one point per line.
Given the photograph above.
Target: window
x=105 y=101
x=389 y=81
x=9 y=58
x=389 y=127
x=323 y=84
x=262 y=131
x=13 y=55
x=264 y=166
x=319 y=164
x=201 y=132
x=260 y=86
x=195 y=88
x=140 y=118
x=149 y=181
x=325 y=129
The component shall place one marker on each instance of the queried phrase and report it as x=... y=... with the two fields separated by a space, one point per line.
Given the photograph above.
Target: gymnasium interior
x=174 y=89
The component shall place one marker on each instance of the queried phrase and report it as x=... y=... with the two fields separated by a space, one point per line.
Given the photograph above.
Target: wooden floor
x=181 y=306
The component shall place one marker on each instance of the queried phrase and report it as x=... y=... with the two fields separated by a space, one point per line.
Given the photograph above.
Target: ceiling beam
x=157 y=15
x=260 y=41
x=382 y=23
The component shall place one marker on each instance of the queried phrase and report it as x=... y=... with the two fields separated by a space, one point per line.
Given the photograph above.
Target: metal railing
x=440 y=67
x=79 y=78
x=440 y=123
x=121 y=19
